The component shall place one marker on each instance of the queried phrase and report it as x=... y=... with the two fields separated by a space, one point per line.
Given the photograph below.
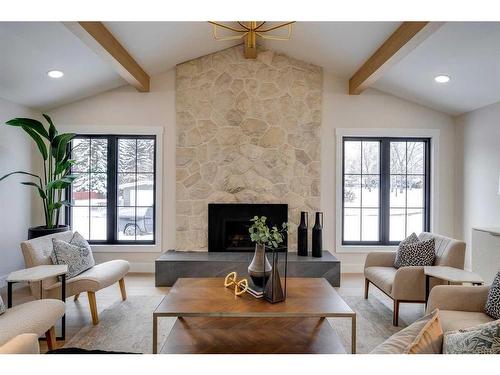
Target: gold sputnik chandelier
x=249 y=31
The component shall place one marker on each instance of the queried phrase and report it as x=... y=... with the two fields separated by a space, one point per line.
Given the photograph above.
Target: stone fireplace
x=248 y=131
x=228 y=224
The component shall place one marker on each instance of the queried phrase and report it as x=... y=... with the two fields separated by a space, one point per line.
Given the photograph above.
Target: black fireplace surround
x=228 y=224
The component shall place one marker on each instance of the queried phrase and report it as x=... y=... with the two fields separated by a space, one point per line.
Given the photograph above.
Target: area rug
x=127 y=326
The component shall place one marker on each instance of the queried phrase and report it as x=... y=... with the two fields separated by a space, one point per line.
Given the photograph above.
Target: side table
x=38 y=274
x=450 y=274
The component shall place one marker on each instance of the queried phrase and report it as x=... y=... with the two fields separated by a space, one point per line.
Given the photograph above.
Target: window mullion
x=112 y=193
x=385 y=188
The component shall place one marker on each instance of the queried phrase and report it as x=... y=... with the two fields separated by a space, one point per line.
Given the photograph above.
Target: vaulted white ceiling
x=466 y=51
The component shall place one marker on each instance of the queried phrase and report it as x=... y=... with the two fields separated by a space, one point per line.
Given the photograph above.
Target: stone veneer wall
x=248 y=131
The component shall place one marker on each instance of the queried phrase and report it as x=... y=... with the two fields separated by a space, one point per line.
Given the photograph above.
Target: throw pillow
x=423 y=336
x=412 y=238
x=2 y=306
x=420 y=253
x=430 y=338
x=492 y=307
x=76 y=253
x=482 y=339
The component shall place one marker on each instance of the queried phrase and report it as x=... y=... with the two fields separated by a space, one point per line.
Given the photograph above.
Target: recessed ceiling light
x=55 y=74
x=442 y=78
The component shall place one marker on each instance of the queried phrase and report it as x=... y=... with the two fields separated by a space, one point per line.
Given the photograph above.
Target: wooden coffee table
x=210 y=319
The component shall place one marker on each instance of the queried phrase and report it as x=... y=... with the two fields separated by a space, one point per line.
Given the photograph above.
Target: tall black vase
x=317 y=236
x=302 y=234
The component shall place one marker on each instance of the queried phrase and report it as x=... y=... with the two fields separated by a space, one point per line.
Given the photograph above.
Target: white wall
x=16 y=201
x=125 y=107
x=478 y=157
x=374 y=109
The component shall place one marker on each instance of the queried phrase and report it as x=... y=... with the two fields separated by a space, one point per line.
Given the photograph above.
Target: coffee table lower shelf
x=207 y=335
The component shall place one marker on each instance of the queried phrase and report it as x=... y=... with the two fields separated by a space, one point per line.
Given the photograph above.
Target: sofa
x=33 y=318
x=459 y=307
x=37 y=252
x=407 y=284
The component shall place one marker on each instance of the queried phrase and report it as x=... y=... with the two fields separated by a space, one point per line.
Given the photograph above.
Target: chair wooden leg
x=93 y=308
x=367 y=285
x=76 y=297
x=50 y=335
x=395 y=318
x=122 y=289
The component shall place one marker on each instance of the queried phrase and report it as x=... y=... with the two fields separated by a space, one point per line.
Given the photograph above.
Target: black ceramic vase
x=317 y=236
x=302 y=235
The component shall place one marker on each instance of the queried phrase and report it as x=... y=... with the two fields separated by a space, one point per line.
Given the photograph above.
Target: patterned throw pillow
x=412 y=252
x=492 y=307
x=2 y=306
x=482 y=339
x=76 y=253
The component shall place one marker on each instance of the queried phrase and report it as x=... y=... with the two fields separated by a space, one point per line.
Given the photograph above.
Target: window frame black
x=112 y=189
x=384 y=190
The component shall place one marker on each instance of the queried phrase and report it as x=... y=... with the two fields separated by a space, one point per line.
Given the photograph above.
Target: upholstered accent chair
x=35 y=317
x=407 y=284
x=37 y=252
x=460 y=306
x=25 y=343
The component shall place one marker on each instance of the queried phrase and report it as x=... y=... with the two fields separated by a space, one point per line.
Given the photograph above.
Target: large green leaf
x=30 y=123
x=60 y=144
x=20 y=172
x=38 y=140
x=61 y=183
x=52 y=128
x=64 y=165
x=40 y=191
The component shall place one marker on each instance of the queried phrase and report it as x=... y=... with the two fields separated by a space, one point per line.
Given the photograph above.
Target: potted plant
x=55 y=153
x=260 y=233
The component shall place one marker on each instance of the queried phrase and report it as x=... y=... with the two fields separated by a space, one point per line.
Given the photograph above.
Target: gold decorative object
x=240 y=287
x=249 y=31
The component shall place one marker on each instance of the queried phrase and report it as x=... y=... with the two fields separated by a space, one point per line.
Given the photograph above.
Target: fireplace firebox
x=228 y=224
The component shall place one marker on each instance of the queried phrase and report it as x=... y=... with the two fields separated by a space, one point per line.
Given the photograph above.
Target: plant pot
x=41 y=231
x=260 y=268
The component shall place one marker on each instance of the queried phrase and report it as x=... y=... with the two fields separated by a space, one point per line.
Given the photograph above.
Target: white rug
x=128 y=326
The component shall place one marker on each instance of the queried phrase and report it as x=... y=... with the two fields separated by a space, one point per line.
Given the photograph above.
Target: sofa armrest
x=458 y=298
x=380 y=259
x=27 y=343
x=409 y=284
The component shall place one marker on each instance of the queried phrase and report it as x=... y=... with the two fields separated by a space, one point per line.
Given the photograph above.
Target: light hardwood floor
x=78 y=312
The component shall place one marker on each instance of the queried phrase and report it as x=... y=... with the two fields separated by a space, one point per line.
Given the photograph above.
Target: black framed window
x=113 y=198
x=386 y=189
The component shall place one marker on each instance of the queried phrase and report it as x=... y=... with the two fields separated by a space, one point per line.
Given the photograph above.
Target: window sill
x=128 y=248
x=364 y=249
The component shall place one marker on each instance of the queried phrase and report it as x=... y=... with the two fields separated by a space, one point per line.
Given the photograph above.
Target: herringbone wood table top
x=207 y=297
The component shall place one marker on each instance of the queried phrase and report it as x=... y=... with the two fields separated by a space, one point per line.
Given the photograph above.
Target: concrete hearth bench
x=172 y=265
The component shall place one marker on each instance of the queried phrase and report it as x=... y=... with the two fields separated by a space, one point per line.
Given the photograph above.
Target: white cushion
x=30 y=317
x=98 y=277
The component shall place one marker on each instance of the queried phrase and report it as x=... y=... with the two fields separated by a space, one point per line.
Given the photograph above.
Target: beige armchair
x=407 y=284
x=26 y=343
x=37 y=252
x=460 y=306
x=36 y=317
